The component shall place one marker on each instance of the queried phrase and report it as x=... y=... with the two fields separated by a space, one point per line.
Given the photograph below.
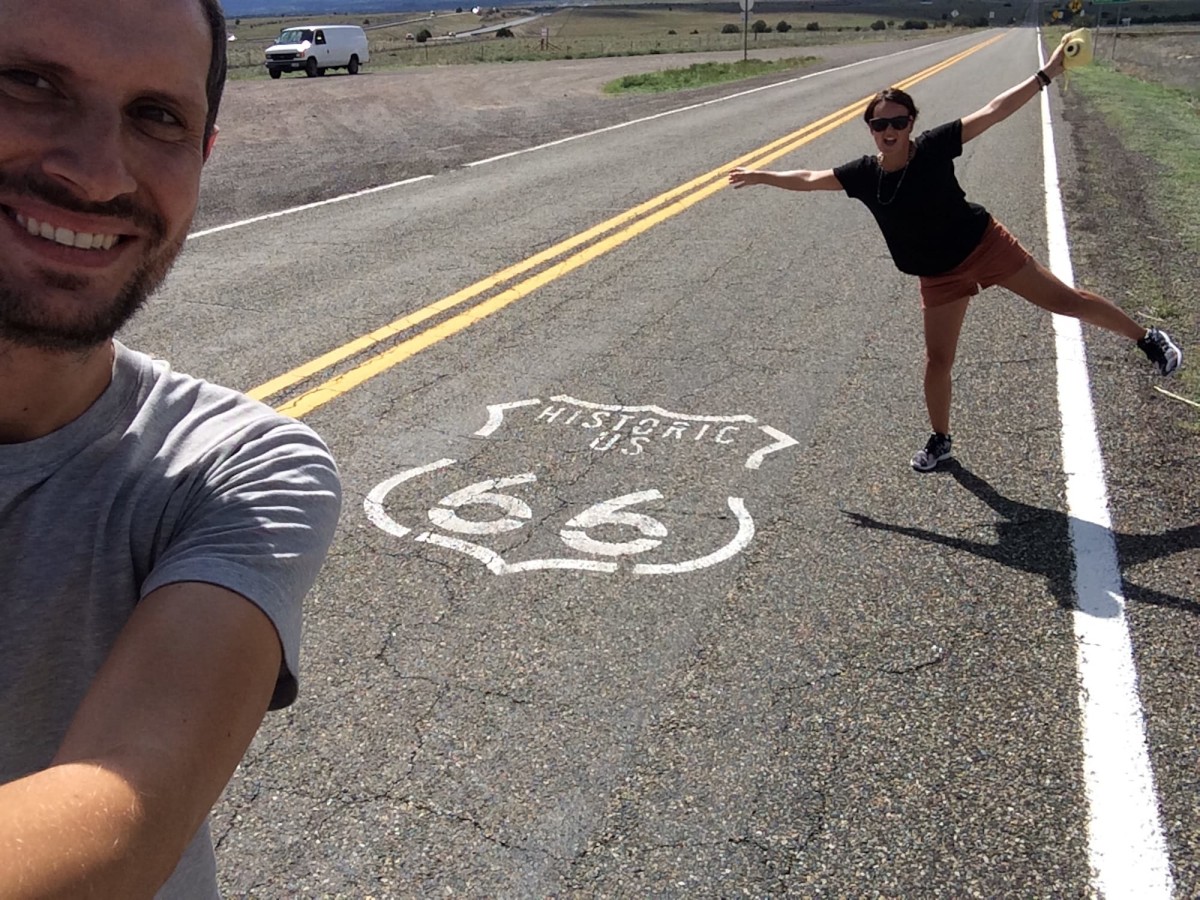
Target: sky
x=235 y=8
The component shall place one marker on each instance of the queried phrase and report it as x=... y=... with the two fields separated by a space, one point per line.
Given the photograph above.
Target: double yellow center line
x=595 y=242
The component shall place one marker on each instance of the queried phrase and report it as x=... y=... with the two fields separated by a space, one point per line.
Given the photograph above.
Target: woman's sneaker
x=1161 y=350
x=936 y=449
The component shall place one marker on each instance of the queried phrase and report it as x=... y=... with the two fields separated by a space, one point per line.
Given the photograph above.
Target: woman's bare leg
x=943 y=324
x=1040 y=286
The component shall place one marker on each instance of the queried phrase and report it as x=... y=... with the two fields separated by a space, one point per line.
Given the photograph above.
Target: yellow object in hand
x=1077 y=48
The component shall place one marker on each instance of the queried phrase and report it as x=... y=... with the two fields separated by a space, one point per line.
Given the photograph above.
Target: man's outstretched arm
x=149 y=751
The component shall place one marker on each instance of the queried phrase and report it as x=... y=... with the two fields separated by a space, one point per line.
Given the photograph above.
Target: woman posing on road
x=954 y=246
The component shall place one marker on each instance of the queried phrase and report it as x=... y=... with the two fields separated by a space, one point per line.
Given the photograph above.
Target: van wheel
x=275 y=73
x=310 y=67
x=353 y=67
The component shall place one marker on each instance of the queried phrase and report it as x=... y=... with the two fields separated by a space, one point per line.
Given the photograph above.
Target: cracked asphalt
x=871 y=695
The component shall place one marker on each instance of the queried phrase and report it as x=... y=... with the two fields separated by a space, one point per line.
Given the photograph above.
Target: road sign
x=746 y=5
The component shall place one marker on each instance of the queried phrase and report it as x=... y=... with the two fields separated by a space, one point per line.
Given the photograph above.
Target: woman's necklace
x=879 y=186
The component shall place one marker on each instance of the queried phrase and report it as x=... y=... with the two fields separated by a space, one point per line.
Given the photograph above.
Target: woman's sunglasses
x=897 y=122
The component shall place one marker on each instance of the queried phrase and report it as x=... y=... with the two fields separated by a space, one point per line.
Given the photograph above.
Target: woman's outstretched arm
x=1003 y=106
x=797 y=180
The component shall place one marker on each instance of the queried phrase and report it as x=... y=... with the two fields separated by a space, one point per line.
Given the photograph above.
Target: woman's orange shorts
x=998 y=256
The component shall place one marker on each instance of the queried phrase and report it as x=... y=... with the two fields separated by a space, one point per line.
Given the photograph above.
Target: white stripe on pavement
x=682 y=109
x=1127 y=850
x=574 y=137
x=308 y=206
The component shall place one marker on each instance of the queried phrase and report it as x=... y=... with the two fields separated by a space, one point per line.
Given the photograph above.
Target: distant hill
x=239 y=8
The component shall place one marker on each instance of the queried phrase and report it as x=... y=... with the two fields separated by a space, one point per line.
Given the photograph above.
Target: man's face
x=102 y=109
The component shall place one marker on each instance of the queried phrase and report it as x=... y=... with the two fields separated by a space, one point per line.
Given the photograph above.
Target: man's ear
x=208 y=144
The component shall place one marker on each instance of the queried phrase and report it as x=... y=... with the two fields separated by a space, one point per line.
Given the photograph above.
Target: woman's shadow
x=1035 y=540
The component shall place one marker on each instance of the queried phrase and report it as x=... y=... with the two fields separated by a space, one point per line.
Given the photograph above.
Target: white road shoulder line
x=480 y=162
x=1126 y=846
x=307 y=206
x=681 y=109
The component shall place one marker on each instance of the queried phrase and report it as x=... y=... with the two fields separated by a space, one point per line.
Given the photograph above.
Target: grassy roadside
x=701 y=74
x=1160 y=128
x=1162 y=124
x=390 y=55
x=588 y=33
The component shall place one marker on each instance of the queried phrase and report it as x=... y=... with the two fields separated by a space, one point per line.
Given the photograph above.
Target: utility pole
x=747 y=5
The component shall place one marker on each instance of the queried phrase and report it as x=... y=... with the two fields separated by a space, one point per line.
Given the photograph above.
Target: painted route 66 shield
x=583 y=486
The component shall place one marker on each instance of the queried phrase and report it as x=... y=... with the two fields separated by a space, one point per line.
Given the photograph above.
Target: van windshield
x=295 y=36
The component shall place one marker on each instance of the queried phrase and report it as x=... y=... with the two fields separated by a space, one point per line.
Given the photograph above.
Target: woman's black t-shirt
x=928 y=224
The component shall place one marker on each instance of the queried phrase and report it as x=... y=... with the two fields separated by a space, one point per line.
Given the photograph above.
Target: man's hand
x=159 y=733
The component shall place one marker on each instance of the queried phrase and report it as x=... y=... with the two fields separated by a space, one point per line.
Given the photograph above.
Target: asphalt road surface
x=635 y=593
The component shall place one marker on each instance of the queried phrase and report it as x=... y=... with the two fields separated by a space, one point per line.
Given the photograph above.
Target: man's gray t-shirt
x=165 y=479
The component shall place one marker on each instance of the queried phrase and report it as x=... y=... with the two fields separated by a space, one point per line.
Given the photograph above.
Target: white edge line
x=1126 y=846
x=307 y=206
x=681 y=109
x=395 y=184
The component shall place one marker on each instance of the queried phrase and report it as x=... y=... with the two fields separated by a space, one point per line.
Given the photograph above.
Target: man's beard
x=25 y=323
x=22 y=322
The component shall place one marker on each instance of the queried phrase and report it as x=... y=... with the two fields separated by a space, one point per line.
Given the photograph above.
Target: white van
x=315 y=48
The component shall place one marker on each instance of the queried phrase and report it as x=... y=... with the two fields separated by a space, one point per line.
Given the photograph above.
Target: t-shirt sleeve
x=260 y=518
x=944 y=141
x=854 y=177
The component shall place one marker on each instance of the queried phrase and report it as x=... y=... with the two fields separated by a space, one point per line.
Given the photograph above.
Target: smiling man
x=157 y=533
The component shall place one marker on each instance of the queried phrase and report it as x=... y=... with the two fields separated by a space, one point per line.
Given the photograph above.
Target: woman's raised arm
x=1004 y=105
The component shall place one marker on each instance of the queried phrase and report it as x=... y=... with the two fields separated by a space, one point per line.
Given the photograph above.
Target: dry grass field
x=1168 y=56
x=611 y=30
x=607 y=28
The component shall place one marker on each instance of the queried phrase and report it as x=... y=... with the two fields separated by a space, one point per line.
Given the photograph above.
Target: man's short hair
x=218 y=64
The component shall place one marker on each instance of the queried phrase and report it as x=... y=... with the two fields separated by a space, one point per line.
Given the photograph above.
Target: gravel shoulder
x=298 y=140
x=1124 y=249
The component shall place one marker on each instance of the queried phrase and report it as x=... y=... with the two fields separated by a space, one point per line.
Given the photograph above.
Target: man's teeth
x=65 y=236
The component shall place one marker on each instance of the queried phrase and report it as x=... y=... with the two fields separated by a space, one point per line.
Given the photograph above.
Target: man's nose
x=90 y=156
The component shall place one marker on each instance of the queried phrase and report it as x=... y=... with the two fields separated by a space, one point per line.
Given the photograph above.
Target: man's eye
x=158 y=115
x=25 y=77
